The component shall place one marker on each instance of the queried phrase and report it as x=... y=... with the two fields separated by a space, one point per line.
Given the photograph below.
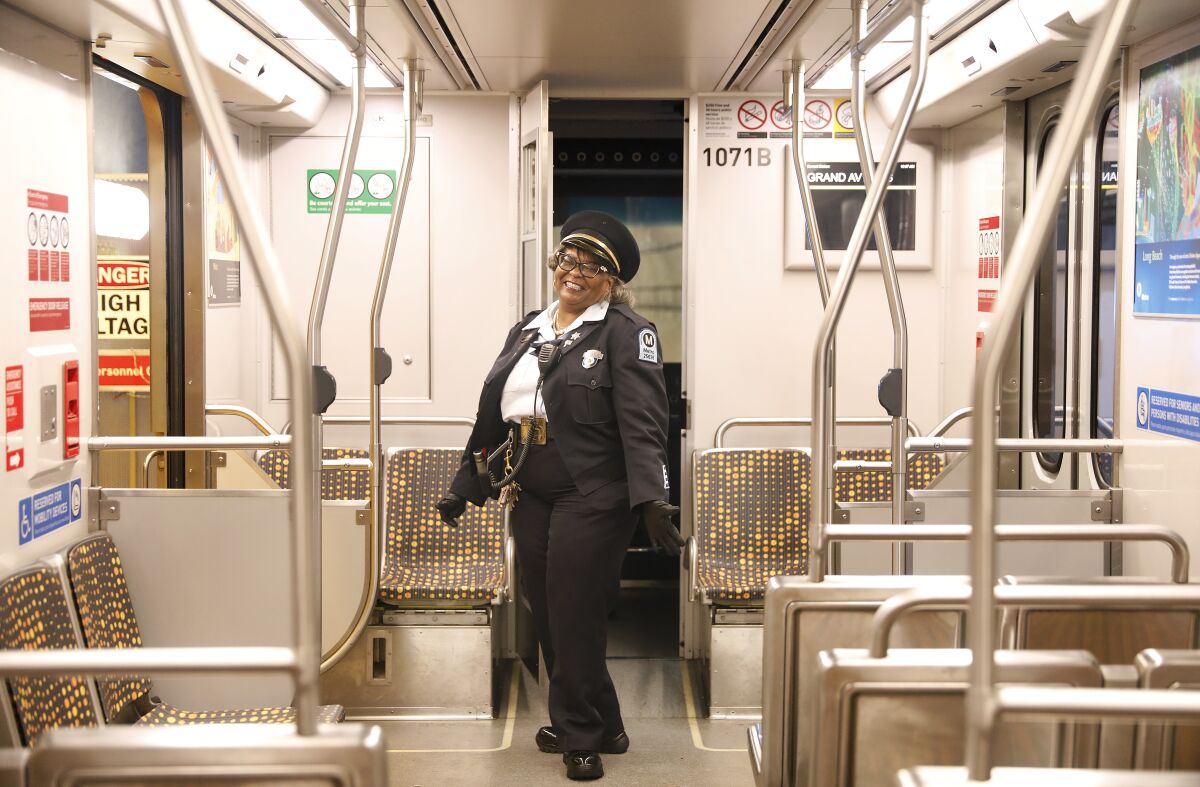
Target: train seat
x=1167 y=746
x=337 y=483
x=875 y=486
x=875 y=716
x=107 y=620
x=442 y=590
x=35 y=614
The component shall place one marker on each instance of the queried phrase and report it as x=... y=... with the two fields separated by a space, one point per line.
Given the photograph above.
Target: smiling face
x=575 y=291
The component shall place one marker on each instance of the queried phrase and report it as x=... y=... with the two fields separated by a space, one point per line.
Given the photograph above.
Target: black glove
x=656 y=518
x=451 y=507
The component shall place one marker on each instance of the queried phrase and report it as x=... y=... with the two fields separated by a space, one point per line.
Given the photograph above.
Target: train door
x=1068 y=357
x=536 y=181
x=626 y=158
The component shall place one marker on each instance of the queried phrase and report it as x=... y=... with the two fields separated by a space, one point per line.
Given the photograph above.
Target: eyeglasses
x=589 y=270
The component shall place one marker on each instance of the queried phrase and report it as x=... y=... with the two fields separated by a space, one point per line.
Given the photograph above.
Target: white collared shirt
x=516 y=401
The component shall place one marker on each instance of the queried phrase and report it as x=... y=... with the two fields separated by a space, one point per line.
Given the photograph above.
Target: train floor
x=660 y=696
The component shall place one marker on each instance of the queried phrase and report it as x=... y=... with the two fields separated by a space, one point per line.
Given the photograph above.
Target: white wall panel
x=45 y=84
x=1161 y=474
x=452 y=295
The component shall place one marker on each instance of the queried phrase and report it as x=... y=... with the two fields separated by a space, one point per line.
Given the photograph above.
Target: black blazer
x=609 y=421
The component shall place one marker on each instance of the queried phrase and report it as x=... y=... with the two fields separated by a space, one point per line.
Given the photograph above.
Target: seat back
x=875 y=486
x=876 y=716
x=1168 y=746
x=35 y=614
x=337 y=483
x=751 y=519
x=455 y=558
x=800 y=620
x=106 y=618
x=1113 y=636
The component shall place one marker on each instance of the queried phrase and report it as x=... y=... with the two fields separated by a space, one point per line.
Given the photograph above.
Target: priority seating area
x=79 y=599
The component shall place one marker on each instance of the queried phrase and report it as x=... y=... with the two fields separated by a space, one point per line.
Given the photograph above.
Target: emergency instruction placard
x=14 y=418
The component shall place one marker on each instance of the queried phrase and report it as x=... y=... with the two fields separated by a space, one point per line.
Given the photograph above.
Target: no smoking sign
x=752 y=115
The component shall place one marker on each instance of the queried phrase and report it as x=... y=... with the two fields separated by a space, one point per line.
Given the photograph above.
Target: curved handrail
x=822 y=400
x=949 y=421
x=887 y=262
x=1059 y=596
x=245 y=413
x=306 y=624
x=870 y=420
x=1082 y=104
x=379 y=373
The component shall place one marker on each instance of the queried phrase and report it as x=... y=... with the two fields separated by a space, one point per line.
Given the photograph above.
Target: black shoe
x=583 y=765
x=547 y=741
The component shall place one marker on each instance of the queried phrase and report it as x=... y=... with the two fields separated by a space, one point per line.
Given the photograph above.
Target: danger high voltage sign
x=123 y=293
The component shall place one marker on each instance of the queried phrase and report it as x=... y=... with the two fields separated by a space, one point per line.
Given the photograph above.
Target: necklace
x=554 y=326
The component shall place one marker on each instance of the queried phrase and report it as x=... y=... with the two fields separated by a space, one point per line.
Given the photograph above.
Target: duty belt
x=539 y=426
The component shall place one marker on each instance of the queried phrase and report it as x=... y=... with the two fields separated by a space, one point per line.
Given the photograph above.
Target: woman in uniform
x=579 y=390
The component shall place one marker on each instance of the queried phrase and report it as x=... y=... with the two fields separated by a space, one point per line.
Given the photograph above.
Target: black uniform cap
x=607 y=238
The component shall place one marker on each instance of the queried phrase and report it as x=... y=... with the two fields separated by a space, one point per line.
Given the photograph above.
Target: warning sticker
x=717 y=119
x=752 y=115
x=124 y=370
x=781 y=116
x=989 y=248
x=123 y=298
x=14 y=418
x=843 y=119
x=49 y=314
x=49 y=510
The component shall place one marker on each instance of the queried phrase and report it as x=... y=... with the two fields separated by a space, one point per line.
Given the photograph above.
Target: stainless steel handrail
x=355 y=41
x=412 y=108
x=887 y=267
x=335 y=23
x=393 y=420
x=730 y=423
x=1041 y=211
x=822 y=398
x=201 y=443
x=1053 y=596
x=883 y=23
x=1162 y=704
x=937 y=445
x=944 y=425
x=1180 y=554
x=109 y=661
x=255 y=237
x=856 y=465
x=245 y=413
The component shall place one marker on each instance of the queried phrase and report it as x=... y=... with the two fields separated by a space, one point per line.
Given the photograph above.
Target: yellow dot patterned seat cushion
x=875 y=486
x=107 y=619
x=337 y=483
x=169 y=716
x=751 y=520
x=425 y=559
x=34 y=615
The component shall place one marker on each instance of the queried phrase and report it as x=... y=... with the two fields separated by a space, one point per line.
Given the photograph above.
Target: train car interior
x=923 y=280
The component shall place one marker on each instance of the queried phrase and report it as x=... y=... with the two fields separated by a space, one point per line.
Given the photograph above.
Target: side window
x=1050 y=328
x=1104 y=306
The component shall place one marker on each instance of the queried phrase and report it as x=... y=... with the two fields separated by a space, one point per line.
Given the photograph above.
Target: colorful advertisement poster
x=371 y=190
x=1166 y=270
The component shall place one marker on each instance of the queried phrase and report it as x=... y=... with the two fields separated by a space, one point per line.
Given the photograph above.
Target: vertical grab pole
x=306 y=624
x=794 y=94
x=1081 y=107
x=381 y=366
x=822 y=438
x=324 y=386
x=891 y=281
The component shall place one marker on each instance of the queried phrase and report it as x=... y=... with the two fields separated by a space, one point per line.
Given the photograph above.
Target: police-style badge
x=647 y=346
x=590 y=358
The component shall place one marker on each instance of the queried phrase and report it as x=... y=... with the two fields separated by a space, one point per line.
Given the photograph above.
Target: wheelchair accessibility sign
x=49 y=510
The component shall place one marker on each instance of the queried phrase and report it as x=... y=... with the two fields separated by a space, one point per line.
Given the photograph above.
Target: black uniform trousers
x=570 y=547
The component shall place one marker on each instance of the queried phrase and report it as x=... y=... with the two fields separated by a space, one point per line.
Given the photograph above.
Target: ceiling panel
x=617 y=46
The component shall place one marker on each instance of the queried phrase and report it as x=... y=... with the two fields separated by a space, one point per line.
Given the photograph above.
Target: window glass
x=1050 y=328
x=1104 y=329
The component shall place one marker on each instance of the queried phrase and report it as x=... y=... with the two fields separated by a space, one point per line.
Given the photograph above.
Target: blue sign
x=49 y=510
x=1169 y=413
x=1167 y=278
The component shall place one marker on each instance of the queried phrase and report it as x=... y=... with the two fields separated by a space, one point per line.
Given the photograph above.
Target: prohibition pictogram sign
x=781 y=116
x=752 y=115
x=817 y=114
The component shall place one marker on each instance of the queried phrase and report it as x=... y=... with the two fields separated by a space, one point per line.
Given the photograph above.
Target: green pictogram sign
x=371 y=190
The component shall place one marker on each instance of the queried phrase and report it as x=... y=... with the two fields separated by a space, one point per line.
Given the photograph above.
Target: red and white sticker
x=48 y=229
x=14 y=418
x=986 y=300
x=124 y=370
x=752 y=115
x=817 y=114
x=989 y=248
x=49 y=314
x=781 y=116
